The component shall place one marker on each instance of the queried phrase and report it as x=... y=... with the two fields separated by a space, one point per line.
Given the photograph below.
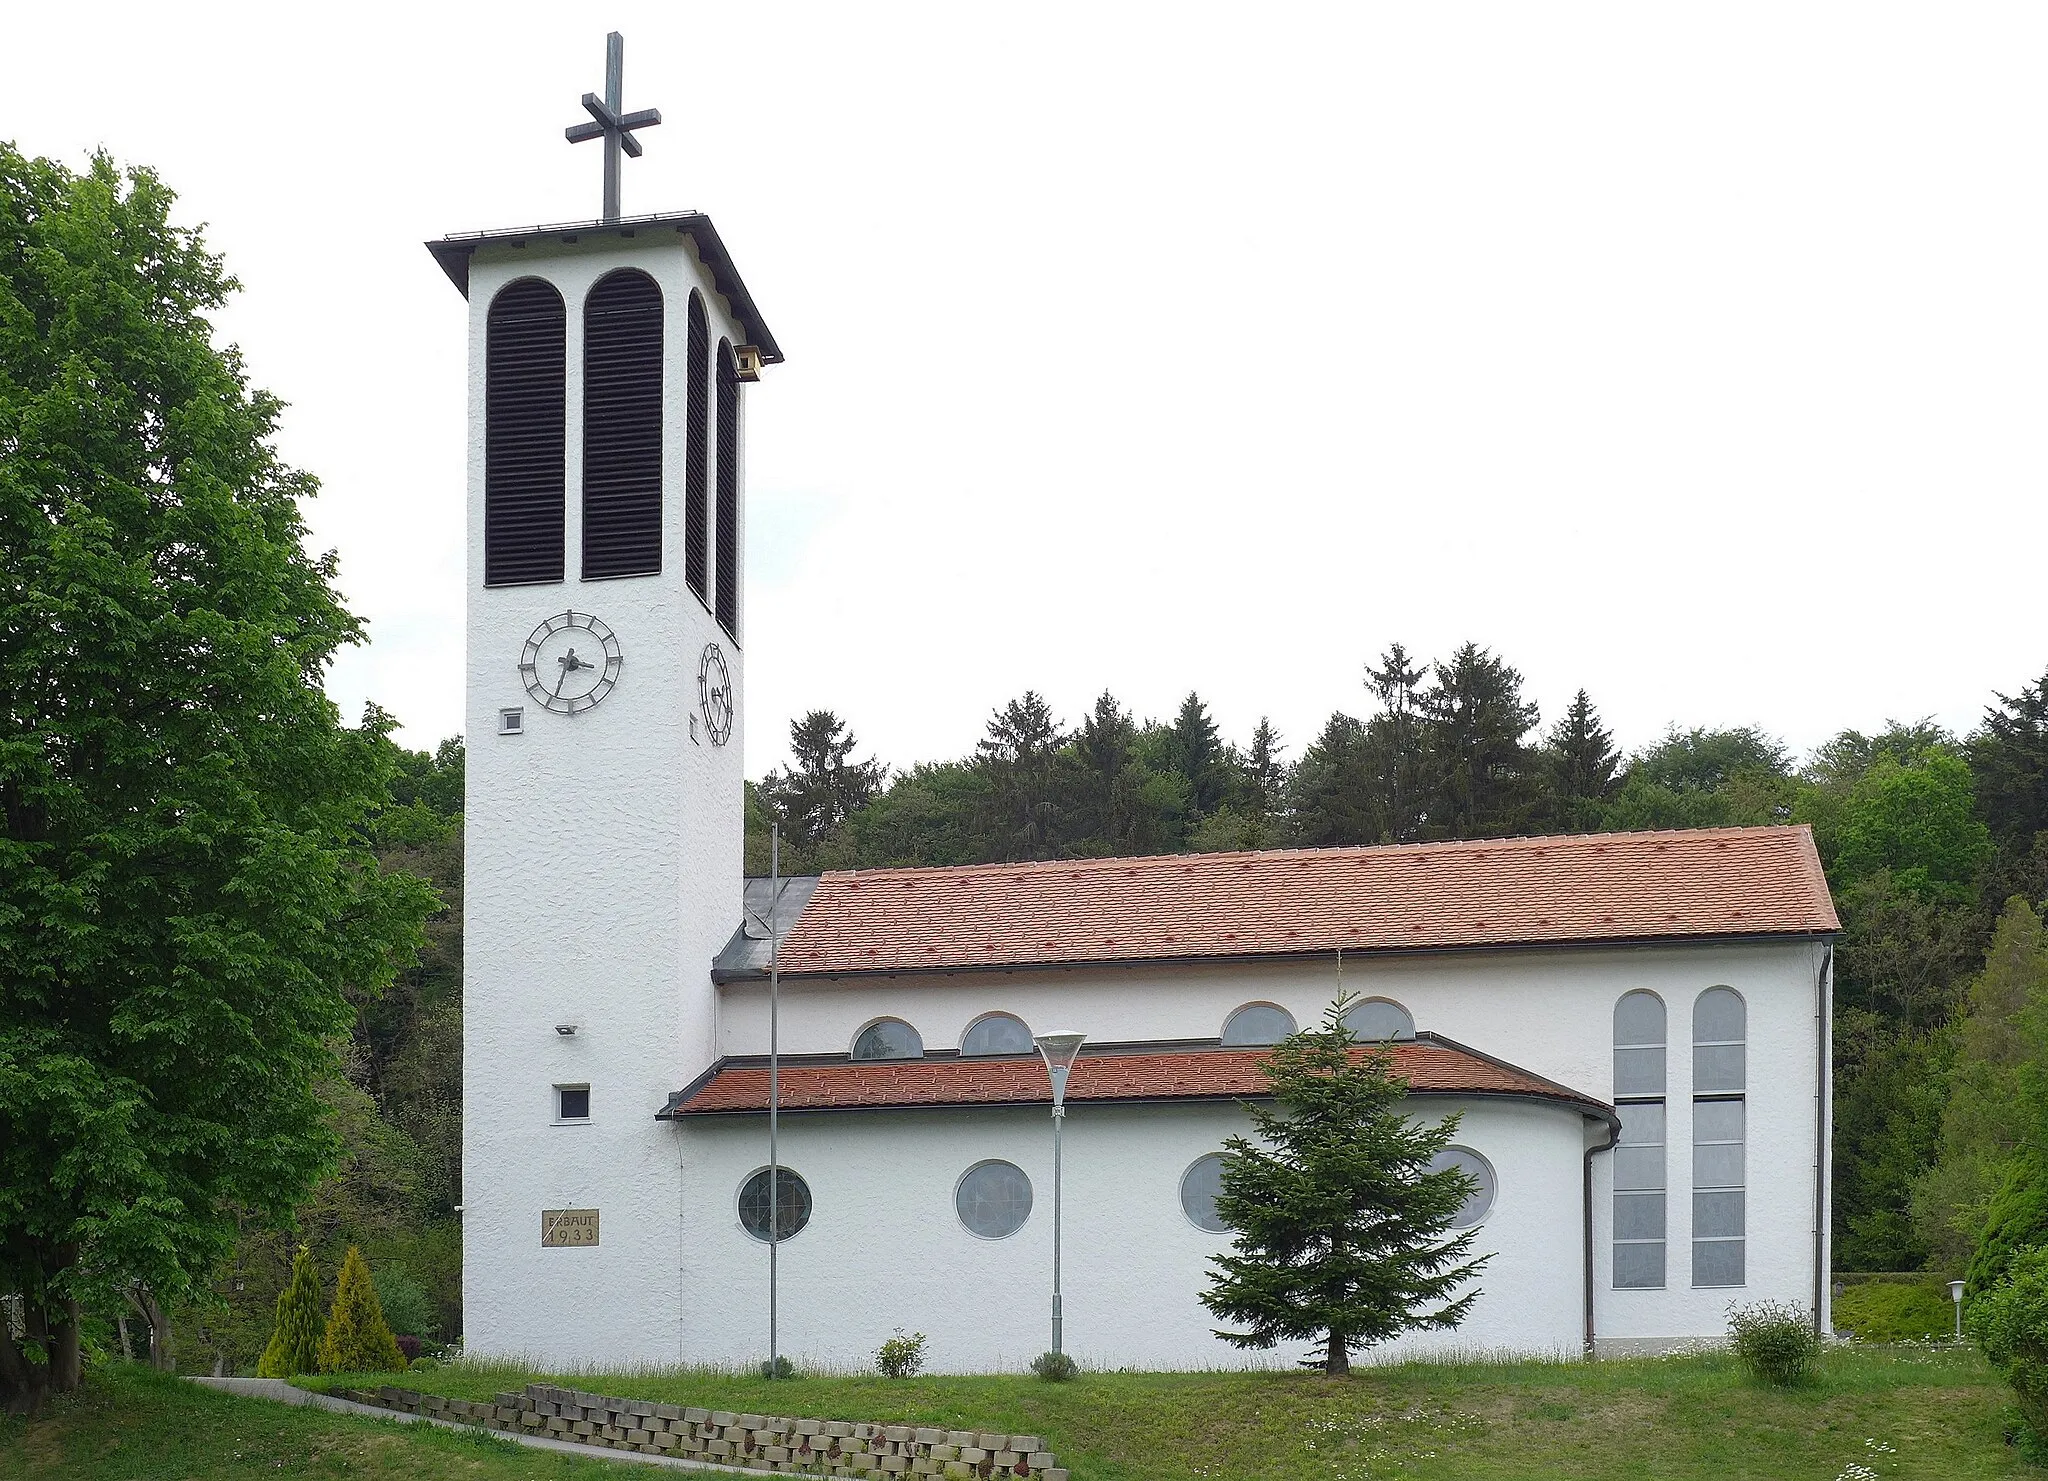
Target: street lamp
x=1059 y=1051
x=1955 y=1294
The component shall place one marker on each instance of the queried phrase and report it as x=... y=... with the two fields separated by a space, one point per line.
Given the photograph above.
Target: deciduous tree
x=187 y=883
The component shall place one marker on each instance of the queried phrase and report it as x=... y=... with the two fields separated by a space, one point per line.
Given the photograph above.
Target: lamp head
x=1060 y=1049
x=1955 y=1291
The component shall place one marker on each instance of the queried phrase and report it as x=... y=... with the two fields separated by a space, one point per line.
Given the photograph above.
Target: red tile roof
x=1504 y=892
x=1176 y=1074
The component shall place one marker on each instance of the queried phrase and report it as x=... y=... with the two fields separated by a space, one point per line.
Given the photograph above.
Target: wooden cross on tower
x=610 y=123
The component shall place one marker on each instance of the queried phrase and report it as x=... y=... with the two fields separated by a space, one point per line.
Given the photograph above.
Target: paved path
x=277 y=1390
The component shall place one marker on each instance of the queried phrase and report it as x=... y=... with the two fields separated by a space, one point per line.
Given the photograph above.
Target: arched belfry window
x=622 y=322
x=1641 y=1182
x=728 y=524
x=1255 y=1024
x=526 y=338
x=697 y=453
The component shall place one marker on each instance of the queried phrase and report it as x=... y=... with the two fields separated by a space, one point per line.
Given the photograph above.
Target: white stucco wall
x=603 y=851
x=1550 y=1011
x=885 y=1247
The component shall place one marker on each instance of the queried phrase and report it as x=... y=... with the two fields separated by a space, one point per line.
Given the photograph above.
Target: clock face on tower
x=714 y=694
x=570 y=663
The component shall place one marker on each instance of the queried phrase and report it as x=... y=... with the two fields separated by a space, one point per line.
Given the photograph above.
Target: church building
x=1632 y=1028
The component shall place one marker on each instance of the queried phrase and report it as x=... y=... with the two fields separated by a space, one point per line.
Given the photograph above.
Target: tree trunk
x=127 y=1347
x=67 y=1356
x=161 y=1356
x=21 y=1382
x=1338 y=1363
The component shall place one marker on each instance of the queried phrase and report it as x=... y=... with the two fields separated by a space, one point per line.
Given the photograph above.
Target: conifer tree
x=294 y=1345
x=1340 y=1220
x=358 y=1338
x=1582 y=766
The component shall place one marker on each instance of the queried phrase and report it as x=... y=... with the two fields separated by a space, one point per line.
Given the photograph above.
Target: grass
x=1894 y=1412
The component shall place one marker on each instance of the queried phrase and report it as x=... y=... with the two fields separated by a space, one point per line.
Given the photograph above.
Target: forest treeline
x=1932 y=842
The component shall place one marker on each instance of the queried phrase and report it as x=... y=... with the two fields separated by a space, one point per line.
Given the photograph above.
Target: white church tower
x=604 y=816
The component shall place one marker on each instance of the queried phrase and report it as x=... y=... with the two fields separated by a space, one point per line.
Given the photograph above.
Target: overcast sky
x=1691 y=354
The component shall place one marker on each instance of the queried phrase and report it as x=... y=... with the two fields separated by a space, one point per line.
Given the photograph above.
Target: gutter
x=1823 y=1004
x=1586 y=1223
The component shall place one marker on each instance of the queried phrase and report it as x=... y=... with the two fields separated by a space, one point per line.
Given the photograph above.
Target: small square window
x=512 y=722
x=572 y=1102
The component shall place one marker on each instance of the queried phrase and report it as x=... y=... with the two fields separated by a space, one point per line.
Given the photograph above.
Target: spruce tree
x=1484 y=777
x=358 y=1339
x=1340 y=1220
x=294 y=1345
x=1581 y=766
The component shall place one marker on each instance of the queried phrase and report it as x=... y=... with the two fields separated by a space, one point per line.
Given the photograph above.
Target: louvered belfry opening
x=697 y=454
x=622 y=324
x=728 y=490
x=526 y=342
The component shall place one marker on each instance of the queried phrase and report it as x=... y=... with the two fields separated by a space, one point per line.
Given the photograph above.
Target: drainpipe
x=1823 y=1001
x=1613 y=1136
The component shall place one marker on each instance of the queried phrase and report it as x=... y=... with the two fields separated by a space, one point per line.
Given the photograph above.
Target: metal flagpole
x=774 y=1081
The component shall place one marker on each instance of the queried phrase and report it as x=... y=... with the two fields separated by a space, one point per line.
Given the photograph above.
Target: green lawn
x=1897 y=1412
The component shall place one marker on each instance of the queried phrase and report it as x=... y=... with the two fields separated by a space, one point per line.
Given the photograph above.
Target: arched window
x=888 y=1038
x=526 y=341
x=792 y=1204
x=1640 y=1180
x=697 y=452
x=1378 y=1020
x=622 y=330
x=1258 y=1023
x=1639 y=1044
x=728 y=523
x=997 y=1033
x=1199 y=1187
x=993 y=1199
x=1479 y=1202
x=1720 y=1028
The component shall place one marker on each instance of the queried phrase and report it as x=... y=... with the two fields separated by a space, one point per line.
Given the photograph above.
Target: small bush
x=900 y=1356
x=2011 y=1321
x=1054 y=1367
x=1774 y=1340
x=410 y=1346
x=421 y=1364
x=780 y=1368
x=407 y=1307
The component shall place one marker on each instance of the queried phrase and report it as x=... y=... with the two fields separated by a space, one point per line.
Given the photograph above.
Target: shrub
x=1054 y=1367
x=900 y=1356
x=2011 y=1321
x=358 y=1339
x=780 y=1368
x=410 y=1346
x=2017 y=1219
x=408 y=1309
x=1774 y=1340
x=1911 y=1308
x=294 y=1345
x=422 y=1364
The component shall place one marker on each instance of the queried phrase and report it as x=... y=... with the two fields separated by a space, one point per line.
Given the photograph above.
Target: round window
x=994 y=1199
x=998 y=1033
x=890 y=1038
x=1258 y=1023
x=1199 y=1186
x=792 y=1205
x=1477 y=1168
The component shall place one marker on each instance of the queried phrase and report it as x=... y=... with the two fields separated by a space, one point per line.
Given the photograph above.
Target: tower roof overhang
x=454 y=253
